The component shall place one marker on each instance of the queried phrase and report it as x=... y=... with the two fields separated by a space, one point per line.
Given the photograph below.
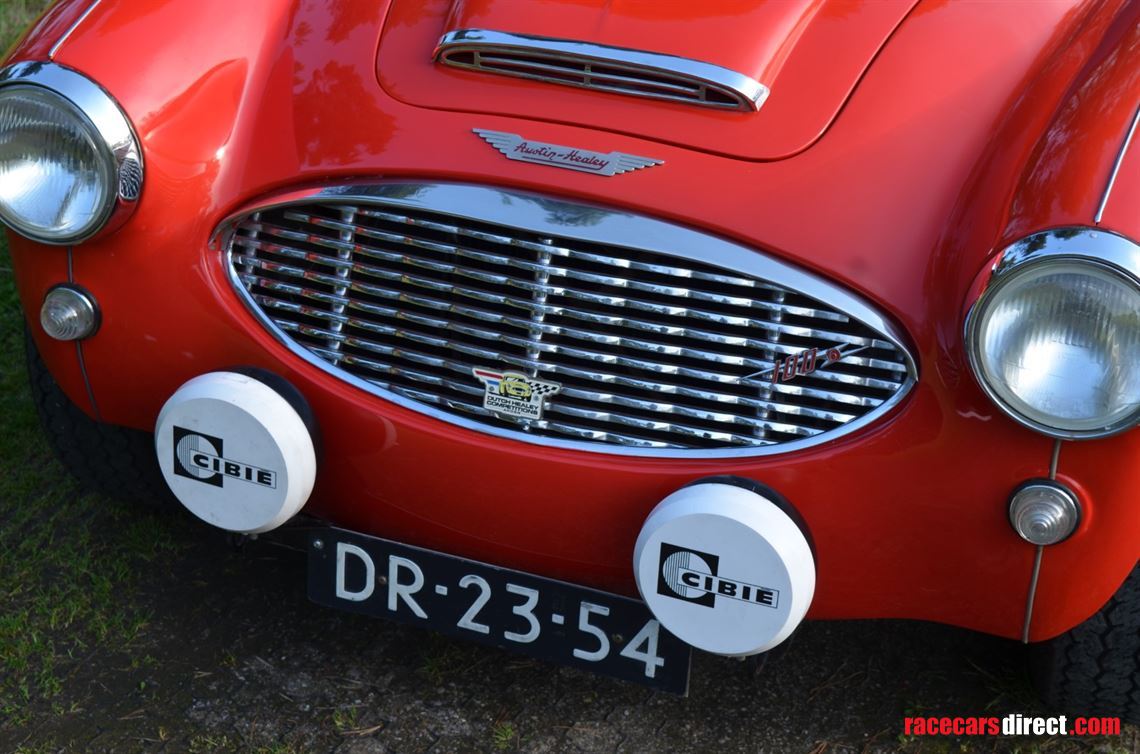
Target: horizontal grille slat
x=646 y=350
x=548 y=369
x=553 y=351
x=595 y=396
x=547 y=290
x=492 y=317
x=548 y=269
x=558 y=251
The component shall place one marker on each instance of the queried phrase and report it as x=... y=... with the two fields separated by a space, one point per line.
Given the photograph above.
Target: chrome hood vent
x=636 y=336
x=616 y=70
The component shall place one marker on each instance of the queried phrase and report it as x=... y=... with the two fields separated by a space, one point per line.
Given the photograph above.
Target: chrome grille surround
x=401 y=289
x=603 y=68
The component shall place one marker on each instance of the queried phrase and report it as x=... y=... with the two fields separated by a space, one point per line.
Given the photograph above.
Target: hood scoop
x=603 y=68
x=691 y=74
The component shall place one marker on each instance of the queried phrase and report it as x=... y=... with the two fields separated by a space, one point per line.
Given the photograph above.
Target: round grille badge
x=235 y=452
x=724 y=569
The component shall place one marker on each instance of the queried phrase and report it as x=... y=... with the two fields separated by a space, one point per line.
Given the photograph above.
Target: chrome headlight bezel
x=1102 y=252
x=107 y=125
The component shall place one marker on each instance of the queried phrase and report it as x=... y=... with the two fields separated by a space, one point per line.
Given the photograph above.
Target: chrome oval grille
x=602 y=68
x=662 y=340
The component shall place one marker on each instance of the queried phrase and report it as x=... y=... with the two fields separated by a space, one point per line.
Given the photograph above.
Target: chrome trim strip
x=79 y=343
x=123 y=152
x=1031 y=598
x=59 y=42
x=1093 y=246
x=547 y=216
x=1039 y=555
x=87 y=380
x=1116 y=167
x=747 y=93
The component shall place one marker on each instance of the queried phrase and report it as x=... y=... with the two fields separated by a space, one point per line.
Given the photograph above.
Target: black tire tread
x=1094 y=669
x=116 y=461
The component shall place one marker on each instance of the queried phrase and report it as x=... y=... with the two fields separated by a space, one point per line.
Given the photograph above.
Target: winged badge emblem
x=516 y=147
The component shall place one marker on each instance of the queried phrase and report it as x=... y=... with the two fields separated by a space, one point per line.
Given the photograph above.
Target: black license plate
x=552 y=620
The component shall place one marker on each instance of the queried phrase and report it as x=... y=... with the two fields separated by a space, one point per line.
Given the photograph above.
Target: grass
x=45 y=748
x=64 y=584
x=15 y=16
x=504 y=736
x=442 y=659
x=346 y=719
x=204 y=744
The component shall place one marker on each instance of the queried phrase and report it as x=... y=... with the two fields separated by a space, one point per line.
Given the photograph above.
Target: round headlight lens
x=57 y=174
x=1057 y=343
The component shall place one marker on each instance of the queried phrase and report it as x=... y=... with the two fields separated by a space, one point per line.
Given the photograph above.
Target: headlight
x=1055 y=337
x=70 y=165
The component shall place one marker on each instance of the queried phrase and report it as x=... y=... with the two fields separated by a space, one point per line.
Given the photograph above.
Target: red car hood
x=809 y=53
x=901 y=201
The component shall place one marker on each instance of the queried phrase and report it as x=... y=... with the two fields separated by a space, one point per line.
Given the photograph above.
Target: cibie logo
x=692 y=576
x=514 y=393
x=199 y=456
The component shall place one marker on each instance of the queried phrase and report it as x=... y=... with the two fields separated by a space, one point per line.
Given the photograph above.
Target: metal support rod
x=1053 y=461
x=1032 y=594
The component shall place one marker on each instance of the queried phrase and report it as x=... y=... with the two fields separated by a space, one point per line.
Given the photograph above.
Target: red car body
x=903 y=146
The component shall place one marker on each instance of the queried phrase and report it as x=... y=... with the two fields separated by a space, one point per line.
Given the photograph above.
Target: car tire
x=116 y=461
x=1094 y=669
